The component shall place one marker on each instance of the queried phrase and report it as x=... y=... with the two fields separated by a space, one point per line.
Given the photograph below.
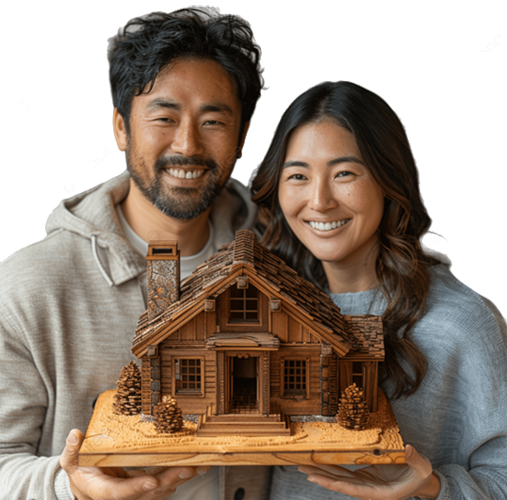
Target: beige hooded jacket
x=69 y=306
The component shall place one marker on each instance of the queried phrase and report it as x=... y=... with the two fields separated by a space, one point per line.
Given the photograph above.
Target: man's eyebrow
x=218 y=108
x=330 y=163
x=163 y=103
x=205 y=108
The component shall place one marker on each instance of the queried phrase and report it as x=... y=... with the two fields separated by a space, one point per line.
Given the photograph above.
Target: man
x=184 y=88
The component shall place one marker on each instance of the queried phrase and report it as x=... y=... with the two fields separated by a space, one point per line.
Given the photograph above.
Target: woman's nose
x=321 y=197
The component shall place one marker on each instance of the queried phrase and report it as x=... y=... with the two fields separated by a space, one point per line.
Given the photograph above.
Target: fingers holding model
x=380 y=482
x=97 y=483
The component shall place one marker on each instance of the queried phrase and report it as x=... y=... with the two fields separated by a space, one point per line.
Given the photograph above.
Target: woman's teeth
x=184 y=174
x=327 y=226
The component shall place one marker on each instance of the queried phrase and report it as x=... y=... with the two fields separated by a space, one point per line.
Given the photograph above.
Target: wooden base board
x=113 y=440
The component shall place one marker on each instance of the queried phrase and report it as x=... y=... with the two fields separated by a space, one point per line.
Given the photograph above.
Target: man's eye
x=212 y=122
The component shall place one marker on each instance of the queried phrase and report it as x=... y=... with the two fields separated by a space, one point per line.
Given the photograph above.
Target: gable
x=219 y=294
x=280 y=291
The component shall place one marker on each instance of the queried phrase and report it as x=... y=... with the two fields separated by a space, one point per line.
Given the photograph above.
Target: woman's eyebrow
x=345 y=159
x=330 y=163
x=295 y=163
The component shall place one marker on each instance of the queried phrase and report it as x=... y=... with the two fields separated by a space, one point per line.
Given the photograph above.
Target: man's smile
x=184 y=174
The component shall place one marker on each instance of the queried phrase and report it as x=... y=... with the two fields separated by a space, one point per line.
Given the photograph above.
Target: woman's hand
x=114 y=483
x=380 y=482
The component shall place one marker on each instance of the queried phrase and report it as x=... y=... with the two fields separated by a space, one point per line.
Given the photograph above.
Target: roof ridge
x=244 y=248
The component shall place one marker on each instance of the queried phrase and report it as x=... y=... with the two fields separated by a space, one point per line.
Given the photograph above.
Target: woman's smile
x=327 y=226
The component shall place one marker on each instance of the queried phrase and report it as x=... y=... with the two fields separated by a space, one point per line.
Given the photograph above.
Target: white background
x=449 y=87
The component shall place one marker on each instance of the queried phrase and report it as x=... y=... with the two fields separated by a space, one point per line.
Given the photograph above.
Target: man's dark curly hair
x=146 y=44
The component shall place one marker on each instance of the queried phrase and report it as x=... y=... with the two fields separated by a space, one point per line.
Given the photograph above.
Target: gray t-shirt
x=187 y=264
x=458 y=416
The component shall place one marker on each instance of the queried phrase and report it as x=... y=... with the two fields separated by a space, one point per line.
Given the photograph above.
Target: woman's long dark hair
x=401 y=267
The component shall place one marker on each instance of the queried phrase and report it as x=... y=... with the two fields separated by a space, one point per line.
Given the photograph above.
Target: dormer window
x=243 y=304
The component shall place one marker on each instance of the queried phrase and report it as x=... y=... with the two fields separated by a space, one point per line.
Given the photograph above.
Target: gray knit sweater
x=458 y=416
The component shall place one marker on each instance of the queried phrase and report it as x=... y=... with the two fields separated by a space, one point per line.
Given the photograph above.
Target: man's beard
x=176 y=202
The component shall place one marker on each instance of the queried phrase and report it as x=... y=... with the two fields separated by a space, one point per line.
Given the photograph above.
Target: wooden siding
x=370 y=380
x=289 y=329
x=297 y=405
x=192 y=331
x=189 y=404
x=280 y=325
x=210 y=322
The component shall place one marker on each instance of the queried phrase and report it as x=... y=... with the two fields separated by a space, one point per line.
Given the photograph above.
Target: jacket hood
x=92 y=215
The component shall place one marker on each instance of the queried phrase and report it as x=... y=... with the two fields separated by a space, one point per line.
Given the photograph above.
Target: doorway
x=244 y=384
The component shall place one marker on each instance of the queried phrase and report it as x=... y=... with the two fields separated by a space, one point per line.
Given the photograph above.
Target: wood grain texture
x=105 y=444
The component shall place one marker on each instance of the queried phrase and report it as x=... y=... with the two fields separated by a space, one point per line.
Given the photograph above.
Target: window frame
x=187 y=393
x=245 y=298
x=303 y=393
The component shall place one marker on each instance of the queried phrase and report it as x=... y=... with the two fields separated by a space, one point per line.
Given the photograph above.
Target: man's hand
x=114 y=483
x=380 y=482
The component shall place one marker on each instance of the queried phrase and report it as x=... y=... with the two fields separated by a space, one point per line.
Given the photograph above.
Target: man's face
x=184 y=137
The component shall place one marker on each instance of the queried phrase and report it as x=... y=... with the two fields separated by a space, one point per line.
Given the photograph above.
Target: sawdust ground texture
x=130 y=433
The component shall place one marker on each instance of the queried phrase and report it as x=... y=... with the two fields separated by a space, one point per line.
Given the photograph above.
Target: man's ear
x=120 y=131
x=242 y=140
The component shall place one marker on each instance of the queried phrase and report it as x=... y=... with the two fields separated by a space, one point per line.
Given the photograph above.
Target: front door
x=243 y=393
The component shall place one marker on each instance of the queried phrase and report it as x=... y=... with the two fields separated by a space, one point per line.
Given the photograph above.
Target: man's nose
x=187 y=140
x=321 y=196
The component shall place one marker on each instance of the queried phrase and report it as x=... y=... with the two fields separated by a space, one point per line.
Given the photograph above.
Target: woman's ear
x=120 y=131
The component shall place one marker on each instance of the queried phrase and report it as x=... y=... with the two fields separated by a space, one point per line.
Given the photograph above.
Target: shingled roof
x=275 y=278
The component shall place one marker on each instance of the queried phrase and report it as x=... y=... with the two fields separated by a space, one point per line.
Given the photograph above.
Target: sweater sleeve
x=485 y=480
x=23 y=396
x=481 y=423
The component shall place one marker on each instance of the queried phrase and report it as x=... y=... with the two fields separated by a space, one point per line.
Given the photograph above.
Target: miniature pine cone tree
x=353 y=412
x=168 y=416
x=127 y=400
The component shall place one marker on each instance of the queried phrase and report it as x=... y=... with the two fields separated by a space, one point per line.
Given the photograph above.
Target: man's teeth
x=327 y=226
x=185 y=174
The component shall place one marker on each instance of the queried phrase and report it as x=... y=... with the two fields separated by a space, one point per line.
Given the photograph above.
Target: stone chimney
x=163 y=263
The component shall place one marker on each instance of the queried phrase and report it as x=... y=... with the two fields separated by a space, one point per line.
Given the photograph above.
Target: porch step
x=242 y=426
x=242 y=417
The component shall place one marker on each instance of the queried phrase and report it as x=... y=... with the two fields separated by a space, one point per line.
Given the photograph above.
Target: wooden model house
x=244 y=334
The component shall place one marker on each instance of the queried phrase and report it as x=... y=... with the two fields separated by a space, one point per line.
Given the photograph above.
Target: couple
x=338 y=200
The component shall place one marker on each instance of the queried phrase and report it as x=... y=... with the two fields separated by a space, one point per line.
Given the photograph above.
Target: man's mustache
x=185 y=161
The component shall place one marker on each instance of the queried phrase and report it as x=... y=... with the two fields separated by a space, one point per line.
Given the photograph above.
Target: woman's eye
x=297 y=177
x=344 y=173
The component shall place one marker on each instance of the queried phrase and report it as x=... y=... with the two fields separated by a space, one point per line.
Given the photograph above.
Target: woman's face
x=328 y=196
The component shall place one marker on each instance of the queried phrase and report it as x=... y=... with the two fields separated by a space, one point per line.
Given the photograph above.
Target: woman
x=338 y=192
